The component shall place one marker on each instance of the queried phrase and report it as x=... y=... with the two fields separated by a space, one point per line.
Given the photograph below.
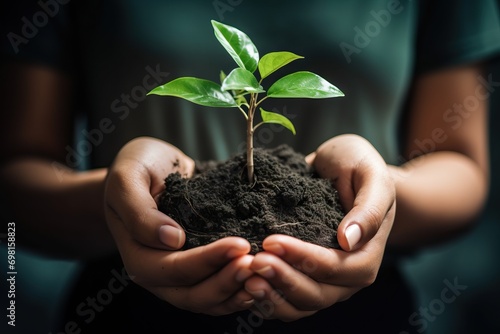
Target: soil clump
x=288 y=197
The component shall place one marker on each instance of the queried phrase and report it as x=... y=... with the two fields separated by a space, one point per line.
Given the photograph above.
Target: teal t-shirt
x=368 y=54
x=371 y=50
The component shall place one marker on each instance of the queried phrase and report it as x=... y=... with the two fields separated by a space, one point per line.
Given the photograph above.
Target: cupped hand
x=296 y=279
x=207 y=279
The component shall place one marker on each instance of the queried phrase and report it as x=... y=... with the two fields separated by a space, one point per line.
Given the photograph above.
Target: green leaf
x=238 y=45
x=222 y=76
x=241 y=79
x=272 y=117
x=303 y=85
x=240 y=100
x=200 y=91
x=274 y=61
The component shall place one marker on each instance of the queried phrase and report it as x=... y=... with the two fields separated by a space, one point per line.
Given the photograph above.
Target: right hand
x=309 y=277
x=207 y=279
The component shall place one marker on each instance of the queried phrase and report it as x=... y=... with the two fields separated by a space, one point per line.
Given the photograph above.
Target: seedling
x=241 y=88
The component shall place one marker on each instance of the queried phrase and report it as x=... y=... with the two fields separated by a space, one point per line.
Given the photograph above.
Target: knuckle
x=226 y=290
x=314 y=300
x=117 y=177
x=329 y=275
x=291 y=282
x=368 y=278
x=374 y=218
x=315 y=304
x=180 y=272
x=367 y=272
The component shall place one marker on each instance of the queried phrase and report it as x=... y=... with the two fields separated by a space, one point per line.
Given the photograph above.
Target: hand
x=309 y=277
x=207 y=279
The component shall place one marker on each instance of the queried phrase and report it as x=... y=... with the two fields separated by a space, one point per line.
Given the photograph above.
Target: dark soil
x=288 y=198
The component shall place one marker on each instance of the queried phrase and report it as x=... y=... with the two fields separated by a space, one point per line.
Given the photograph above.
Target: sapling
x=241 y=89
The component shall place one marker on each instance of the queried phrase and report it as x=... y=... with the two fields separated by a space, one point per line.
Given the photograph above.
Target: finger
x=365 y=187
x=330 y=266
x=374 y=202
x=270 y=303
x=154 y=267
x=219 y=294
x=133 y=203
x=310 y=158
x=240 y=301
x=343 y=159
x=135 y=179
x=186 y=267
x=300 y=290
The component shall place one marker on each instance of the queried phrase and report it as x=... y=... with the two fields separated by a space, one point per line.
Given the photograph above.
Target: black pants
x=106 y=301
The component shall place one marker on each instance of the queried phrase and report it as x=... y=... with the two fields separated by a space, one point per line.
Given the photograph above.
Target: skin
x=437 y=195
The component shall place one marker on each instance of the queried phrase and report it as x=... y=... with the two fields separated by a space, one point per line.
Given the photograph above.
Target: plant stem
x=250 y=130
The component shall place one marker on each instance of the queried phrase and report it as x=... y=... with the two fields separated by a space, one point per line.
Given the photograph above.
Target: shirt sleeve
x=451 y=34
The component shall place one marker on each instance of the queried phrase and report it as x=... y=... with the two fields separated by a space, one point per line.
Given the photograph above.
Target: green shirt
x=119 y=50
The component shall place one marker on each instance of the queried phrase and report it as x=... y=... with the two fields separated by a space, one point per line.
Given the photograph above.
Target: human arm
x=441 y=192
x=57 y=211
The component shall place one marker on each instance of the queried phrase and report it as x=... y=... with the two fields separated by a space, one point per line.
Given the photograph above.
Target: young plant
x=241 y=89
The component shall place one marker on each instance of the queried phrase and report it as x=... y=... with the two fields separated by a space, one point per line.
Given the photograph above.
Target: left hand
x=310 y=277
x=206 y=279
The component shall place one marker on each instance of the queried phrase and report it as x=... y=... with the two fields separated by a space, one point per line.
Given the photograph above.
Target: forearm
x=439 y=195
x=57 y=211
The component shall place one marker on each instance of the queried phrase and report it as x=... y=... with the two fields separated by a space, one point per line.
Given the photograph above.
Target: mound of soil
x=287 y=198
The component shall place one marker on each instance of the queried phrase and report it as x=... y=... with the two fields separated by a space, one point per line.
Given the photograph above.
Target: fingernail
x=276 y=249
x=267 y=272
x=170 y=236
x=243 y=274
x=310 y=158
x=257 y=293
x=248 y=302
x=353 y=235
x=234 y=252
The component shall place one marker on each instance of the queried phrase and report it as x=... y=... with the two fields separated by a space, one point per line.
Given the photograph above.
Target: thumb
x=310 y=158
x=147 y=225
x=170 y=233
x=358 y=227
x=372 y=208
x=130 y=203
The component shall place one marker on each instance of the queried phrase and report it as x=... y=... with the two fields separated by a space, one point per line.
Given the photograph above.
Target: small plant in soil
x=280 y=192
